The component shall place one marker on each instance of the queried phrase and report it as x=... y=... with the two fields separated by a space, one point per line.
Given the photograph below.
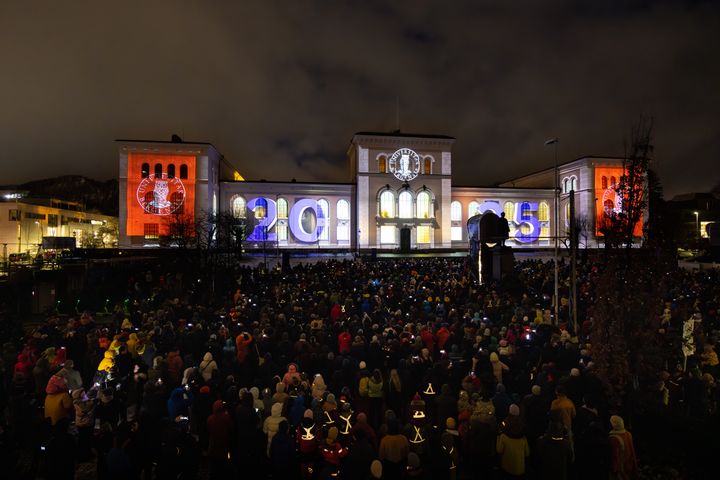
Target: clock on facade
x=404 y=164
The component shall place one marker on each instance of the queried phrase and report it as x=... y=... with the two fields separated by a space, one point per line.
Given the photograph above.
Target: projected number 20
x=298 y=212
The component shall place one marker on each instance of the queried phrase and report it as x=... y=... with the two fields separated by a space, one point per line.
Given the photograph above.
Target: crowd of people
x=392 y=369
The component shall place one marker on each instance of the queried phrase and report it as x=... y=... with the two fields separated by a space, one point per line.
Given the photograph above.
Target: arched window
x=573 y=184
x=158 y=170
x=424 y=205
x=612 y=181
x=238 y=207
x=171 y=170
x=145 y=170
x=427 y=166
x=183 y=172
x=282 y=208
x=387 y=204
x=382 y=164
x=543 y=212
x=509 y=209
x=325 y=208
x=405 y=204
x=565 y=185
x=455 y=211
x=343 y=210
x=260 y=210
x=604 y=182
x=473 y=208
x=177 y=202
x=524 y=213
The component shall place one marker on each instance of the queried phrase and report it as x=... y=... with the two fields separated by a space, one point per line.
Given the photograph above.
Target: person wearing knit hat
x=536 y=390
x=376 y=469
x=514 y=410
x=575 y=372
x=623 y=462
x=332 y=452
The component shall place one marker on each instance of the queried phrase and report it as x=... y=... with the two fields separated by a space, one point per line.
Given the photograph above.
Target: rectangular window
x=14 y=215
x=343 y=232
x=423 y=234
x=35 y=216
x=151 y=231
x=52 y=220
x=456 y=233
x=282 y=230
x=387 y=234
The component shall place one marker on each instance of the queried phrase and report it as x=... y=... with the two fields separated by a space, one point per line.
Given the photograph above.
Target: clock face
x=405 y=164
x=160 y=195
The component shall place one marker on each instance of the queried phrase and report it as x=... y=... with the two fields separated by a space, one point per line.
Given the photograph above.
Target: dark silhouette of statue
x=503 y=229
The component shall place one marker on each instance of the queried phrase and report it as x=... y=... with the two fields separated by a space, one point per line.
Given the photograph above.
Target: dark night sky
x=280 y=87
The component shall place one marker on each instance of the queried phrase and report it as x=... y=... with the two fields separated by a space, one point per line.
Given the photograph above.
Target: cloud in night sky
x=280 y=86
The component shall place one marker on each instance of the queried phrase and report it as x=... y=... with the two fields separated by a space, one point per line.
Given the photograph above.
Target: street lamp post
x=556 y=203
x=697 y=225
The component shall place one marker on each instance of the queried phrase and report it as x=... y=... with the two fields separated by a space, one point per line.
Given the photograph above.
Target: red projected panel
x=609 y=200
x=159 y=187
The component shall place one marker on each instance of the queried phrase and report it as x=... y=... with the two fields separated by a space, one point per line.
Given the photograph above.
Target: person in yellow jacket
x=58 y=402
x=106 y=363
x=513 y=449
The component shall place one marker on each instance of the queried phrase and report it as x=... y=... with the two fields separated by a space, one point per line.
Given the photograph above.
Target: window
x=382 y=164
x=282 y=232
x=405 y=203
x=35 y=216
x=543 y=212
x=152 y=231
x=238 y=207
x=183 y=171
x=145 y=170
x=324 y=207
x=178 y=206
x=612 y=181
x=473 y=208
x=14 y=215
x=387 y=234
x=387 y=205
x=456 y=233
x=509 y=209
x=282 y=208
x=423 y=205
x=343 y=232
x=260 y=210
x=573 y=184
x=455 y=211
x=343 y=210
x=158 y=170
x=604 y=182
x=565 y=185
x=171 y=170
x=427 y=166
x=423 y=234
x=52 y=220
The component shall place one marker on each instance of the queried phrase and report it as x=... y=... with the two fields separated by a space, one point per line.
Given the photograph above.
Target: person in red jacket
x=332 y=453
x=344 y=342
x=335 y=312
x=428 y=339
x=442 y=337
x=242 y=346
x=219 y=426
x=623 y=462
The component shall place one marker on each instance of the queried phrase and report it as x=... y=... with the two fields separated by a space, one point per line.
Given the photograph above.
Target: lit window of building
x=455 y=211
x=456 y=233
x=325 y=208
x=387 y=204
x=423 y=234
x=543 y=212
x=405 y=203
x=343 y=210
x=473 y=208
x=387 y=234
x=423 y=205
x=238 y=207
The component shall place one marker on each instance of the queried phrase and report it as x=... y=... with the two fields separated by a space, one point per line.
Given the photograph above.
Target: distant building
x=400 y=195
x=26 y=220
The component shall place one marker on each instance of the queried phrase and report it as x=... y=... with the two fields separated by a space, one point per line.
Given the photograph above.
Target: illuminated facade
x=400 y=196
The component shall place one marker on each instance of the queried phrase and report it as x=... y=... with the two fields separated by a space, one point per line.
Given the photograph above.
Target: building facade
x=400 y=196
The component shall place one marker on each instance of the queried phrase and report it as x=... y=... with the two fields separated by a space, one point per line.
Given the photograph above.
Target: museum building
x=400 y=196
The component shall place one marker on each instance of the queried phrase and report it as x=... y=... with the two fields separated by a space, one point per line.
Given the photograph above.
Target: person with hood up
x=207 y=367
x=318 y=387
x=258 y=404
x=175 y=366
x=72 y=377
x=219 y=426
x=179 y=403
x=272 y=423
x=58 y=403
x=280 y=396
x=242 y=346
x=498 y=367
x=623 y=462
x=291 y=375
x=132 y=345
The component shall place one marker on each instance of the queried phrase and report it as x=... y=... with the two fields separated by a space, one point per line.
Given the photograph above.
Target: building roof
x=402 y=134
x=170 y=142
x=549 y=169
